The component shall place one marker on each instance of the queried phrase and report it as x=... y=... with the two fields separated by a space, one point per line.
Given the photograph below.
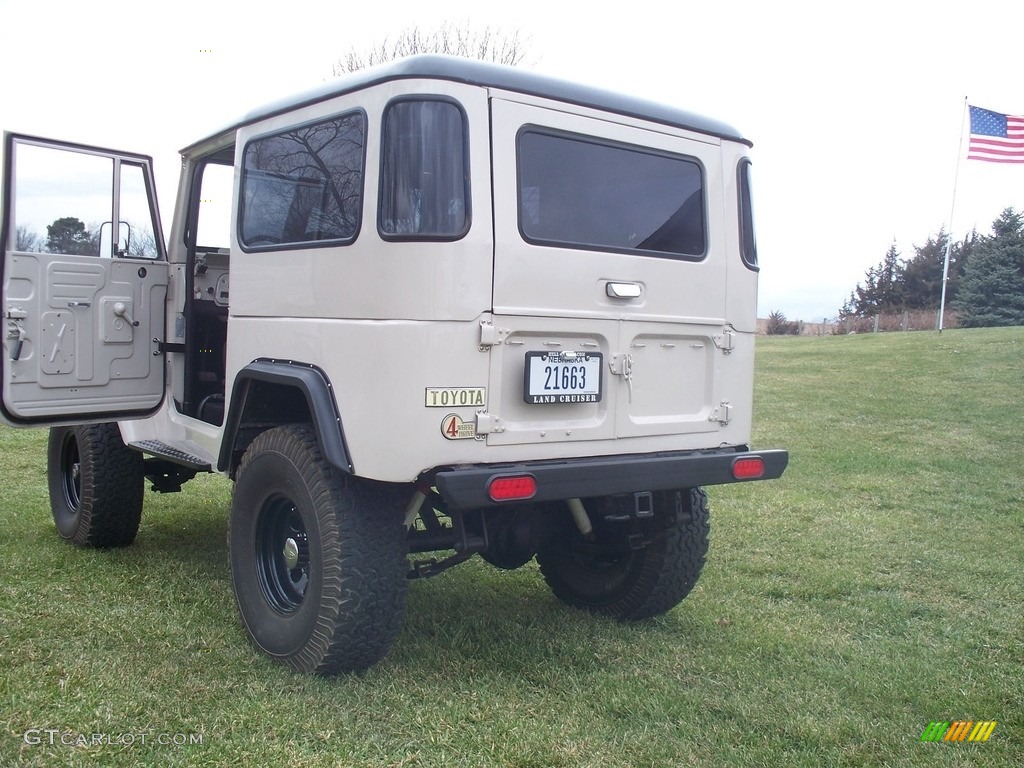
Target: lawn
x=872 y=590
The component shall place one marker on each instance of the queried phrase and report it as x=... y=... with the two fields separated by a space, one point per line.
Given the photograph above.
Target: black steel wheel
x=608 y=574
x=318 y=557
x=96 y=485
x=282 y=554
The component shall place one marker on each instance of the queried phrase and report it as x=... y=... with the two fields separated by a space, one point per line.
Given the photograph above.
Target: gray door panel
x=83 y=301
x=86 y=332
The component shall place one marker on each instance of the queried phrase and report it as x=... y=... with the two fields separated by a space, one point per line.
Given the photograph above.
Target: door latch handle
x=623 y=290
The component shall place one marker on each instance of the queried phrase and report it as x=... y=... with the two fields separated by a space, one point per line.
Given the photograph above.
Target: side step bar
x=185 y=453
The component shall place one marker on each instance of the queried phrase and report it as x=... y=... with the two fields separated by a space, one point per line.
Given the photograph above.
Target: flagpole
x=952 y=209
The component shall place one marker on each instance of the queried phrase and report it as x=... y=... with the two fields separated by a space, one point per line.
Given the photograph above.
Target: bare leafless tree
x=484 y=44
x=25 y=239
x=142 y=244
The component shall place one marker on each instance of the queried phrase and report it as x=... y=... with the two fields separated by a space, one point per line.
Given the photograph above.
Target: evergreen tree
x=778 y=325
x=70 y=235
x=895 y=285
x=922 y=275
x=882 y=290
x=992 y=288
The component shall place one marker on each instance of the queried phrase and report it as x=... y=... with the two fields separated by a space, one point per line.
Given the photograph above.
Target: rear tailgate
x=605 y=260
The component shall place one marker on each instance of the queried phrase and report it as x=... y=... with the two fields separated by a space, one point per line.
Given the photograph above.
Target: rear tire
x=318 y=557
x=625 y=583
x=96 y=485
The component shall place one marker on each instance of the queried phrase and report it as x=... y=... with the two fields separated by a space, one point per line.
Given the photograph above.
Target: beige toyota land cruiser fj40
x=432 y=310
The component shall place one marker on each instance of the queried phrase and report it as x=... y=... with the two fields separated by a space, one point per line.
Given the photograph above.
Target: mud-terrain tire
x=632 y=584
x=318 y=557
x=96 y=485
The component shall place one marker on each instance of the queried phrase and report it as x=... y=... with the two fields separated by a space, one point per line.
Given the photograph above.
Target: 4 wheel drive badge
x=454 y=428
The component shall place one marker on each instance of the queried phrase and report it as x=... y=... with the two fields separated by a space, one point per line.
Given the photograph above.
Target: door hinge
x=163 y=347
x=722 y=414
x=725 y=341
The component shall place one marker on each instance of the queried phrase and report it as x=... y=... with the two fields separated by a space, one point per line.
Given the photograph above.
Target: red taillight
x=512 y=488
x=749 y=468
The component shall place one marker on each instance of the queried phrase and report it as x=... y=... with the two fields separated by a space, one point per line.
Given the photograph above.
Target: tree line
x=985 y=284
x=65 y=235
x=70 y=235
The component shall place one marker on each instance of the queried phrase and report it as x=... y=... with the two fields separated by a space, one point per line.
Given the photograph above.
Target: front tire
x=318 y=558
x=627 y=583
x=96 y=485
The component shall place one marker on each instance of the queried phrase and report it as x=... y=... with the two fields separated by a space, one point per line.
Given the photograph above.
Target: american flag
x=995 y=137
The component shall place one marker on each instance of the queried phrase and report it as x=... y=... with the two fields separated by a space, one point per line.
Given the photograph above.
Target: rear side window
x=305 y=185
x=581 y=192
x=748 y=243
x=424 y=189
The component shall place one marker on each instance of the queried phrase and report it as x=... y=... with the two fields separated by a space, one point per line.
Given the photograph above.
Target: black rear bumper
x=466 y=487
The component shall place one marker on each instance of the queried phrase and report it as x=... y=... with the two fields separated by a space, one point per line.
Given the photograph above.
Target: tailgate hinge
x=622 y=365
x=490 y=335
x=725 y=340
x=486 y=423
x=722 y=414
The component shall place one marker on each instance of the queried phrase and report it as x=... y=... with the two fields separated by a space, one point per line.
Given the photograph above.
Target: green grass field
x=873 y=589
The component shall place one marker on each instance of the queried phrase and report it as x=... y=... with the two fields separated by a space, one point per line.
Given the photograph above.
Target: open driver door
x=84 y=278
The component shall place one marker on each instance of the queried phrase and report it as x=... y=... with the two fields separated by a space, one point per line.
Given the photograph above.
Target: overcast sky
x=855 y=110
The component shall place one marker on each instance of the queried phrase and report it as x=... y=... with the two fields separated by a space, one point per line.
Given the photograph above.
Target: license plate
x=562 y=377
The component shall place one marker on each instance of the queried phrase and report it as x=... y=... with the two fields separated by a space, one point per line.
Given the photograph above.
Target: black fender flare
x=314 y=386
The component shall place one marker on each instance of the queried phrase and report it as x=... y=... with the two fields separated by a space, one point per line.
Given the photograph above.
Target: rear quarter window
x=424 y=189
x=582 y=192
x=304 y=186
x=748 y=241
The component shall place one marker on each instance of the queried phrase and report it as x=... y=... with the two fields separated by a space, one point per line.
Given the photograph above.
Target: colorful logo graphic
x=961 y=730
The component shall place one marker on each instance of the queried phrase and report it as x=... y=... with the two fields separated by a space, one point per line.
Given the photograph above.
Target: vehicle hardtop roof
x=473 y=72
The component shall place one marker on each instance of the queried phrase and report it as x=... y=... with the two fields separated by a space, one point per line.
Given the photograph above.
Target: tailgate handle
x=623 y=290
